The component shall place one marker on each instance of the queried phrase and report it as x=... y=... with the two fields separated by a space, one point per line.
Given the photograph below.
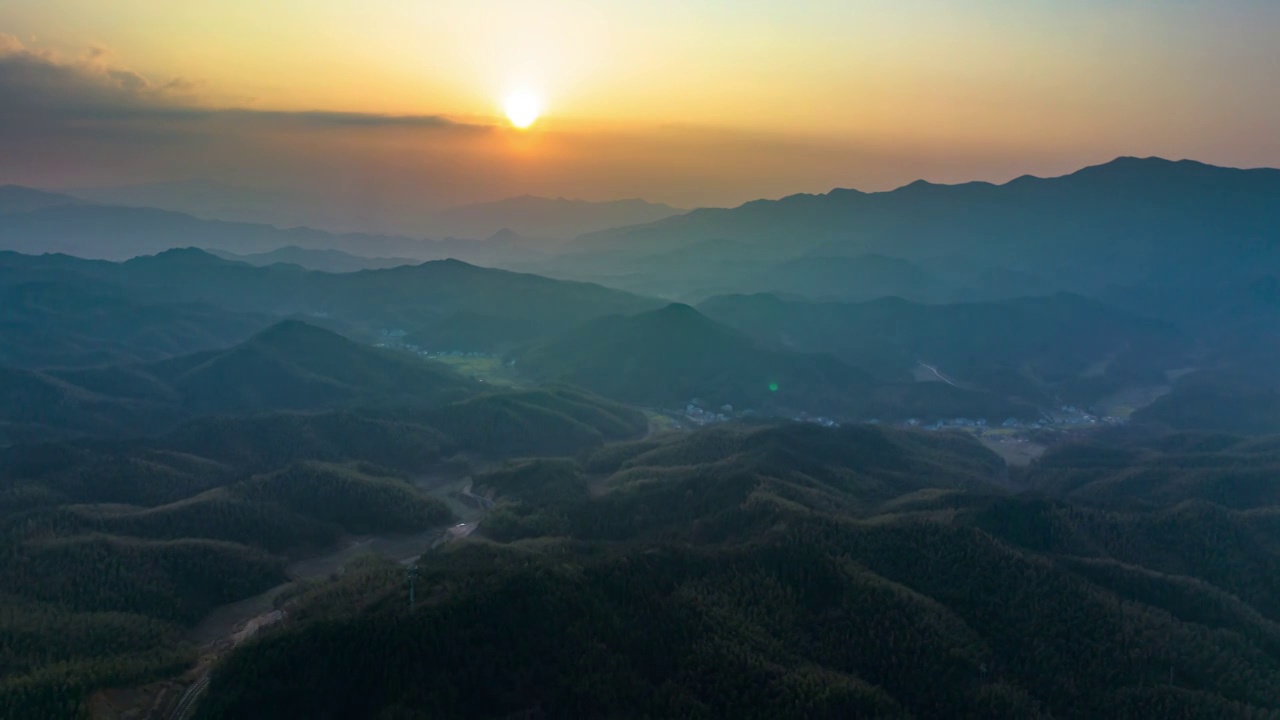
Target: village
x=1066 y=417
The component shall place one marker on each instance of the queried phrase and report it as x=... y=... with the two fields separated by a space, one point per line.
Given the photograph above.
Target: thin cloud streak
x=45 y=90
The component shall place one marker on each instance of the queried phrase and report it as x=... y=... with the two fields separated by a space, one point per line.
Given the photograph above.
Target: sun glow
x=522 y=108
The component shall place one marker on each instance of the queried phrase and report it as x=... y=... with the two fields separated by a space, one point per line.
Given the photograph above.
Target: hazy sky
x=709 y=102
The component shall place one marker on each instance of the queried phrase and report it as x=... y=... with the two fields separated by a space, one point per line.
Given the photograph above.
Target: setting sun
x=522 y=108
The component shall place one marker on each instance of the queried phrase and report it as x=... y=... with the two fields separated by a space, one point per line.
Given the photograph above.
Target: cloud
x=44 y=92
x=88 y=120
x=350 y=119
x=128 y=80
x=9 y=44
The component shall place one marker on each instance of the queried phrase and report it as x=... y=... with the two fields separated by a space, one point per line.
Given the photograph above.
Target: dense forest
x=114 y=548
x=795 y=571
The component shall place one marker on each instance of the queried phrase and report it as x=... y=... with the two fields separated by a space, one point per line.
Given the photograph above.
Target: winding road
x=189 y=698
x=939 y=375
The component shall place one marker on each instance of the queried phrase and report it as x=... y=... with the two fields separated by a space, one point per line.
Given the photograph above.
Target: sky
x=395 y=102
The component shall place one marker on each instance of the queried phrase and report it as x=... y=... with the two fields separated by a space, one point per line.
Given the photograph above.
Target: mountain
x=862 y=277
x=534 y=217
x=55 y=313
x=334 y=261
x=205 y=199
x=369 y=303
x=1165 y=470
x=547 y=217
x=288 y=366
x=1209 y=401
x=18 y=199
x=1128 y=222
x=296 y=366
x=1038 y=349
x=667 y=357
x=118 y=233
x=796 y=571
x=693 y=272
x=113 y=232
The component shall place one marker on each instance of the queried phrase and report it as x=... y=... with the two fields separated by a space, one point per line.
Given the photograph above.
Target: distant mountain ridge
x=288 y=366
x=548 y=217
x=335 y=261
x=181 y=291
x=17 y=199
x=1125 y=222
x=47 y=223
x=527 y=215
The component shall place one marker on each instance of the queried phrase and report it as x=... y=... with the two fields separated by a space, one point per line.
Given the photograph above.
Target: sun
x=522 y=108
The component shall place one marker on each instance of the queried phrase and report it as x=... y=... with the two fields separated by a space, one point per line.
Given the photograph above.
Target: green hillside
x=796 y=571
x=295 y=366
x=288 y=366
x=186 y=300
x=1033 y=349
x=1218 y=402
x=669 y=356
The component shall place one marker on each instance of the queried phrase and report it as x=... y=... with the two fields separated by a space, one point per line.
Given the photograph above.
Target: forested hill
x=114 y=549
x=1035 y=348
x=1127 y=221
x=668 y=356
x=797 y=571
x=163 y=295
x=288 y=366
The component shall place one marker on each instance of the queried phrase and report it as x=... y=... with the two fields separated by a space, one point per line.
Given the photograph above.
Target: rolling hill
x=794 y=571
x=667 y=357
x=1036 y=348
x=173 y=286
x=288 y=366
x=61 y=318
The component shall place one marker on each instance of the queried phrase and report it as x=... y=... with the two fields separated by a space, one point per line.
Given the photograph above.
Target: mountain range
x=527 y=215
x=557 y=218
x=333 y=261
x=288 y=366
x=369 y=303
x=114 y=232
x=1129 y=222
x=1009 y=455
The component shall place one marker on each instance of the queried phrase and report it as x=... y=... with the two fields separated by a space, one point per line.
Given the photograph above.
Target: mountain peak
x=1128 y=165
x=185 y=256
x=292 y=330
x=678 y=308
x=505 y=235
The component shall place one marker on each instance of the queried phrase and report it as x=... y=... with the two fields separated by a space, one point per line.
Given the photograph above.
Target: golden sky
x=712 y=102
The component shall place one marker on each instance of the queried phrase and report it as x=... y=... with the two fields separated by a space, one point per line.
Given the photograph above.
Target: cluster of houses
x=395 y=339
x=940 y=424
x=449 y=353
x=816 y=420
x=1065 y=417
x=696 y=415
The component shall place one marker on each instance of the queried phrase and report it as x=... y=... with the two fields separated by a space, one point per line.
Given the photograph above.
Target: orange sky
x=712 y=102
